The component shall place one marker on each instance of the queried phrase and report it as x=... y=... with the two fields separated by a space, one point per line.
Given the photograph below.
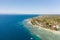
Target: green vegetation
x=47 y=21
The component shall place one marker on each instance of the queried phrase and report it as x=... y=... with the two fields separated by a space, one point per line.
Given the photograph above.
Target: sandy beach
x=43 y=33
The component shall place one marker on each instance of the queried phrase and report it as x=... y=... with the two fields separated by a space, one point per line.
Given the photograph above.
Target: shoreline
x=41 y=32
x=42 y=27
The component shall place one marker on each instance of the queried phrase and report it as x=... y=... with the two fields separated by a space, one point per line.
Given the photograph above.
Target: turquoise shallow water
x=11 y=28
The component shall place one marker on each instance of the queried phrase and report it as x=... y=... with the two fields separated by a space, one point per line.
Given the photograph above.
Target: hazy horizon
x=30 y=6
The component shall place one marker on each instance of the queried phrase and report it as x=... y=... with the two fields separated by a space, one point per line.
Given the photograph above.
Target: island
x=46 y=27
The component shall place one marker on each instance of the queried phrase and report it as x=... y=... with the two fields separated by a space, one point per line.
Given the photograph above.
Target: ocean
x=11 y=27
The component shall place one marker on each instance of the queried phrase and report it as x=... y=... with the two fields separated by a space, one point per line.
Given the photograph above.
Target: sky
x=29 y=6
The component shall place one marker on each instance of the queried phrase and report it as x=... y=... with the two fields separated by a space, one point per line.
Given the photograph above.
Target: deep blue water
x=11 y=27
